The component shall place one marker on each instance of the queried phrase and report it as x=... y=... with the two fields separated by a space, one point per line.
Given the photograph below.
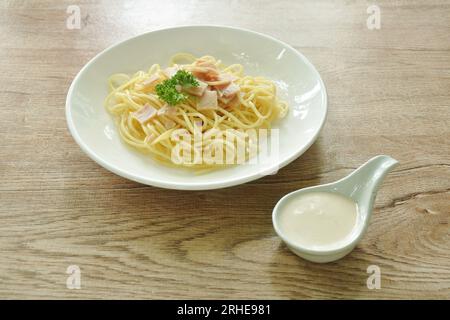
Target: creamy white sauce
x=318 y=220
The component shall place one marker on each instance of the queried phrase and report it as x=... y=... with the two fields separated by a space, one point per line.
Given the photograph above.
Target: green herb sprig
x=167 y=90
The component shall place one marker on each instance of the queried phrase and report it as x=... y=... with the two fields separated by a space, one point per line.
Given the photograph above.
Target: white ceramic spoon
x=361 y=186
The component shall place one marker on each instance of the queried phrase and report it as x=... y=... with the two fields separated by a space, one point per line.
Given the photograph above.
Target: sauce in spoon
x=319 y=220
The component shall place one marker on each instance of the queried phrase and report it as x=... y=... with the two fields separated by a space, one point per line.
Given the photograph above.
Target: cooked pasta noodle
x=147 y=123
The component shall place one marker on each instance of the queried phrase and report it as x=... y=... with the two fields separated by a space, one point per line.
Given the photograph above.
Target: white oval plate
x=298 y=82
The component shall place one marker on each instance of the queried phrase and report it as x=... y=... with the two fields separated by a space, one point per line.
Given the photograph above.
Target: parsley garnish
x=167 y=90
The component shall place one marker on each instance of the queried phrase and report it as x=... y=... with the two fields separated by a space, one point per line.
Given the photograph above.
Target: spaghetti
x=221 y=107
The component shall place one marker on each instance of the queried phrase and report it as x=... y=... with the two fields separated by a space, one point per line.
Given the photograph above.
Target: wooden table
x=389 y=93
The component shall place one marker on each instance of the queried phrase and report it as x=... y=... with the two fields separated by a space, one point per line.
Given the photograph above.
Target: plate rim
x=183 y=185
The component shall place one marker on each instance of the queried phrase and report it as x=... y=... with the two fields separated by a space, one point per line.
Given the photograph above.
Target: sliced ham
x=171 y=71
x=168 y=123
x=206 y=70
x=208 y=101
x=197 y=91
x=225 y=100
x=205 y=63
x=230 y=103
x=206 y=74
x=230 y=91
x=225 y=79
x=167 y=110
x=147 y=83
x=145 y=113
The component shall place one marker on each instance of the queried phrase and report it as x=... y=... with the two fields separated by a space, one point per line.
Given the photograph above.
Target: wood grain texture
x=389 y=93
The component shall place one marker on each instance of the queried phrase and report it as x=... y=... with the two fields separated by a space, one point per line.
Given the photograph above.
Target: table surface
x=389 y=93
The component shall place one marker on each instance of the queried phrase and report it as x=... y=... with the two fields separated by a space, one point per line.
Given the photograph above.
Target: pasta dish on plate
x=195 y=112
